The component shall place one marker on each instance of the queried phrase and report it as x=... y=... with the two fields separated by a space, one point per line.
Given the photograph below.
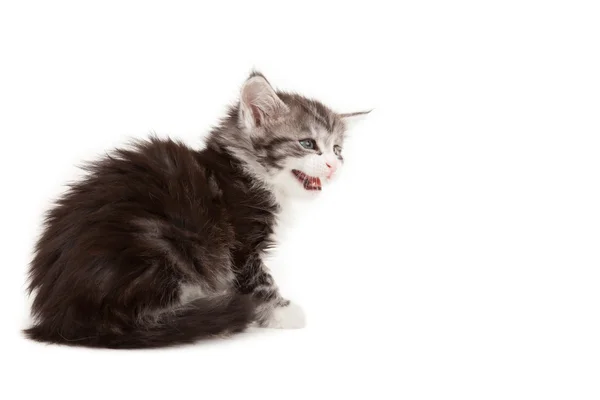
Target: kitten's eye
x=337 y=150
x=308 y=144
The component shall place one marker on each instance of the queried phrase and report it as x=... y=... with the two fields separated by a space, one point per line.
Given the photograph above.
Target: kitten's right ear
x=353 y=119
x=259 y=103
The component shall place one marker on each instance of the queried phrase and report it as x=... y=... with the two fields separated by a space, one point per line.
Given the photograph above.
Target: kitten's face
x=295 y=143
x=303 y=150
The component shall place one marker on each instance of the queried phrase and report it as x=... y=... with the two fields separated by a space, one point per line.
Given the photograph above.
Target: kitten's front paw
x=288 y=317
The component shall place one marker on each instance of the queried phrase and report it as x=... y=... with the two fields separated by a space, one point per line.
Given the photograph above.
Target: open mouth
x=309 y=182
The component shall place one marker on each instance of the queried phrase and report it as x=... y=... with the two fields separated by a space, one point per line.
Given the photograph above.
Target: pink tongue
x=314 y=182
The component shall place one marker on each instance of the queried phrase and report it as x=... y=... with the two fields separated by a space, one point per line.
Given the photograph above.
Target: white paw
x=289 y=317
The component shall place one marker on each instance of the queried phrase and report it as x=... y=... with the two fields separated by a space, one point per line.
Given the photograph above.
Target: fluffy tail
x=198 y=319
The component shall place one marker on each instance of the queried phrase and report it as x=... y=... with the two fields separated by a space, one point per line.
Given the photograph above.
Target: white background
x=458 y=256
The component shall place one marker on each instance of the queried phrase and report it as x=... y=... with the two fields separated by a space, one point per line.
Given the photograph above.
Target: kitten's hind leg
x=272 y=310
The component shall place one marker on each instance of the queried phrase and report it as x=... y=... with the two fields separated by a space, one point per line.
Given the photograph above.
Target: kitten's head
x=292 y=143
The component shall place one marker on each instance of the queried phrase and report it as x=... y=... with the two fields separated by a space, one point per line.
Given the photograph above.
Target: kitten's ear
x=353 y=119
x=259 y=103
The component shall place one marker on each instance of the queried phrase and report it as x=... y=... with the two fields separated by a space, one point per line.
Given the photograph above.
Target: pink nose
x=332 y=167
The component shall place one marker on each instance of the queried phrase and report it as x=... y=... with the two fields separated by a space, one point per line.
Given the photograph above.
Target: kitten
x=161 y=244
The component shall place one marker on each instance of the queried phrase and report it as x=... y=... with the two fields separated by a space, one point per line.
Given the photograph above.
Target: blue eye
x=308 y=144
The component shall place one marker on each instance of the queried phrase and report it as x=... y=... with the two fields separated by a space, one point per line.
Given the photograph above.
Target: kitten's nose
x=332 y=168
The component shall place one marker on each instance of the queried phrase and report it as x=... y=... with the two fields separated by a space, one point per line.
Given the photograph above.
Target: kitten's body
x=162 y=244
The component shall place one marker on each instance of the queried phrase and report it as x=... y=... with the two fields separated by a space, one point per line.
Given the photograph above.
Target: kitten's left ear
x=352 y=119
x=259 y=103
